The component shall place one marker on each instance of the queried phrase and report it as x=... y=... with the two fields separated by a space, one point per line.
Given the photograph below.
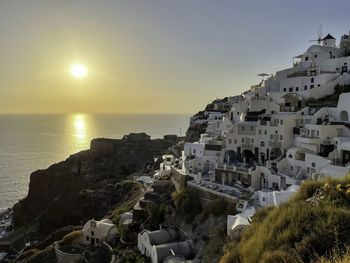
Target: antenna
x=319 y=33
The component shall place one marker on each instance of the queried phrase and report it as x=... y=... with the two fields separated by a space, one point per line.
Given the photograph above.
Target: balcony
x=308 y=139
x=226 y=167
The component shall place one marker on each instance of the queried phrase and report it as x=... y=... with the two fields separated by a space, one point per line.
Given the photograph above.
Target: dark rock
x=84 y=185
x=194 y=131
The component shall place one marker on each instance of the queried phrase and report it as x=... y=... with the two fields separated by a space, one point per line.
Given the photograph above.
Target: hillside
x=313 y=223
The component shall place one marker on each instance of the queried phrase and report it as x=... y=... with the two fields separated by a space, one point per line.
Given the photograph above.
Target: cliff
x=194 y=131
x=84 y=186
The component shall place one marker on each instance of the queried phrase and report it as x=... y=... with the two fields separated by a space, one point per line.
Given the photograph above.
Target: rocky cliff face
x=84 y=185
x=194 y=131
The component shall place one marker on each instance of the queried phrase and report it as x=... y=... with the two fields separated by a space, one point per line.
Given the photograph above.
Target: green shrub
x=156 y=211
x=187 y=204
x=214 y=250
x=217 y=207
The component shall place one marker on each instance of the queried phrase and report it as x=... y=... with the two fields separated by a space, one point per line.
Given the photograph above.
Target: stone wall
x=178 y=179
x=63 y=257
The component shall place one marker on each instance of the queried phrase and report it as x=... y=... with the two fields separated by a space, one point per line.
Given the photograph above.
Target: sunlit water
x=32 y=142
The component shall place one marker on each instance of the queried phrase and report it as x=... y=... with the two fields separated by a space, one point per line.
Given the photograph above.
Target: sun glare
x=79 y=123
x=78 y=70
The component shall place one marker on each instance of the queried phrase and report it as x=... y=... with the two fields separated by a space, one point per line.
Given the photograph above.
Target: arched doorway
x=248 y=156
x=275 y=153
x=343 y=116
x=232 y=157
x=262 y=157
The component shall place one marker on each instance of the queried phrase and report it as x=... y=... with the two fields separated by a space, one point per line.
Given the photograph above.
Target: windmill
x=263 y=75
x=319 y=35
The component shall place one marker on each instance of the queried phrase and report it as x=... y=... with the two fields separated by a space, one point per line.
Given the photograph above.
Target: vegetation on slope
x=312 y=224
x=330 y=100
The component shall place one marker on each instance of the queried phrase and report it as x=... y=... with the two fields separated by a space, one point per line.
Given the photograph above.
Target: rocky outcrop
x=194 y=131
x=84 y=186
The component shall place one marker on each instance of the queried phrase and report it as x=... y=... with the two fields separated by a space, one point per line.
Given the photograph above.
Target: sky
x=149 y=56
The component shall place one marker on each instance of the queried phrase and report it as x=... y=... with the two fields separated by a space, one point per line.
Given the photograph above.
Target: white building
x=94 y=232
x=147 y=239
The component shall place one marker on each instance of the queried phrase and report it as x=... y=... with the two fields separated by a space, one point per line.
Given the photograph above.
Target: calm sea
x=32 y=142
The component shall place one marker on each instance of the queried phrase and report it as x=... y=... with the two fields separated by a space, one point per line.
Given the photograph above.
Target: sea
x=32 y=142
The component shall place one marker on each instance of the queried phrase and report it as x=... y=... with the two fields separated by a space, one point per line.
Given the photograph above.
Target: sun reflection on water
x=80 y=127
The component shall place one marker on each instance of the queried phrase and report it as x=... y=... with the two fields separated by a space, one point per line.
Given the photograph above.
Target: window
x=252 y=140
x=229 y=141
x=262 y=175
x=259 y=131
x=297 y=89
x=271 y=136
x=318 y=85
x=264 y=200
x=235 y=141
x=313 y=164
x=242 y=140
x=281 y=137
x=281 y=121
x=251 y=128
x=312 y=86
x=97 y=240
x=87 y=238
x=92 y=233
x=315 y=56
x=194 y=150
x=291 y=168
x=237 y=112
x=312 y=80
x=284 y=89
x=306 y=58
x=242 y=128
x=265 y=132
x=262 y=144
x=290 y=89
x=305 y=88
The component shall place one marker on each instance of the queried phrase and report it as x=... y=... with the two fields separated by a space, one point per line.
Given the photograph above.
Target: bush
x=187 y=204
x=213 y=251
x=217 y=207
x=72 y=237
x=156 y=211
x=297 y=226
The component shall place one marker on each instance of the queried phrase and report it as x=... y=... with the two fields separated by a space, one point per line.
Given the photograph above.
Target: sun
x=78 y=70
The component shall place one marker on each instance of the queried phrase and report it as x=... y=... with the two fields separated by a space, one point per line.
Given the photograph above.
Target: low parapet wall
x=209 y=194
x=113 y=258
x=63 y=257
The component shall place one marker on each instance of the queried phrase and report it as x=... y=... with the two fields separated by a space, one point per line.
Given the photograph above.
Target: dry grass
x=72 y=237
x=297 y=230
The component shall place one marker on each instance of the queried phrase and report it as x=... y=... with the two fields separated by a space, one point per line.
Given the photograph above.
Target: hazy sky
x=149 y=55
